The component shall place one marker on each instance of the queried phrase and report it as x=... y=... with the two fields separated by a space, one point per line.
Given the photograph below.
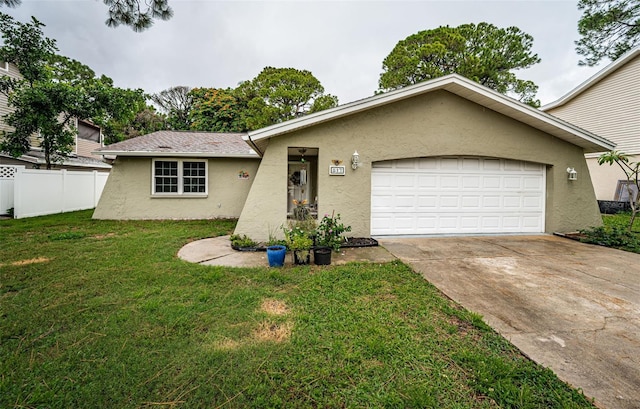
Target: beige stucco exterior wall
x=605 y=177
x=435 y=124
x=127 y=194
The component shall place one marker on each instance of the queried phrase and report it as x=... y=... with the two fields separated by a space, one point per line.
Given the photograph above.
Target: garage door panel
x=427 y=163
x=457 y=195
x=427 y=182
x=449 y=202
x=532 y=202
x=471 y=202
x=449 y=182
x=511 y=202
x=532 y=183
x=471 y=163
x=448 y=163
x=512 y=182
x=491 y=182
x=470 y=222
x=491 y=202
x=428 y=202
x=471 y=182
x=491 y=164
x=426 y=222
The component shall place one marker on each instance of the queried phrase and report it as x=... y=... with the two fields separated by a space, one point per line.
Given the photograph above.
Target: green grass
x=103 y=314
x=615 y=233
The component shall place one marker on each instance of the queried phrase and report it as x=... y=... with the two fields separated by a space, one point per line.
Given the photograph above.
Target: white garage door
x=457 y=195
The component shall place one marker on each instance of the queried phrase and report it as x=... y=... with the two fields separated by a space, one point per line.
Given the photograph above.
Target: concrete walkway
x=572 y=307
x=217 y=251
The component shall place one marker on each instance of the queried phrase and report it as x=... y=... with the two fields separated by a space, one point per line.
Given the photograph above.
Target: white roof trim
x=455 y=84
x=177 y=154
x=594 y=79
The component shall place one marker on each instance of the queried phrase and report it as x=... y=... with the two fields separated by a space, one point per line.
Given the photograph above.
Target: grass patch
x=111 y=318
x=615 y=233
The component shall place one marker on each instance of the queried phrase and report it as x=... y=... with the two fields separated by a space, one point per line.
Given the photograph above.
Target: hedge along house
x=447 y=156
x=178 y=175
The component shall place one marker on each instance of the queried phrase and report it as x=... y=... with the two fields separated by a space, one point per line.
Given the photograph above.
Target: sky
x=212 y=43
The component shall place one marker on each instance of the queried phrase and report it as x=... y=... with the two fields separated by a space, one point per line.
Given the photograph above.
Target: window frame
x=181 y=178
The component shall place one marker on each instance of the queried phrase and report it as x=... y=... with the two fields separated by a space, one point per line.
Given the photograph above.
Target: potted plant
x=298 y=240
x=276 y=250
x=275 y=255
x=329 y=235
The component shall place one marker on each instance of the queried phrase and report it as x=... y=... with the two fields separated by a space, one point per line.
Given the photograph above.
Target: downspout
x=254 y=146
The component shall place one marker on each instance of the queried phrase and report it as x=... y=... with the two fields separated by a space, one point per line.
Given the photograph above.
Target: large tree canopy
x=609 y=28
x=279 y=94
x=53 y=92
x=483 y=53
x=137 y=14
x=175 y=103
x=217 y=110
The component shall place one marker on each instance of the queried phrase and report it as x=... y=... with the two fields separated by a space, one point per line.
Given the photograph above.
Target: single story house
x=178 y=175
x=446 y=156
x=607 y=104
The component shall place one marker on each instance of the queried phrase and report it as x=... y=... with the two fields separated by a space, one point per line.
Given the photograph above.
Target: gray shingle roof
x=38 y=158
x=182 y=143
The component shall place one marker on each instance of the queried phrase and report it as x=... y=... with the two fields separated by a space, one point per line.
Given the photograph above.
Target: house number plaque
x=336 y=170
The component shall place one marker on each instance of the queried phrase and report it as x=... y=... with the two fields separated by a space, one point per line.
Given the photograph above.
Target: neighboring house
x=447 y=156
x=607 y=104
x=88 y=139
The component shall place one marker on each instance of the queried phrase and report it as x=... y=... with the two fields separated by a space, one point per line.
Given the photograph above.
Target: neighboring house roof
x=593 y=80
x=182 y=144
x=457 y=85
x=37 y=157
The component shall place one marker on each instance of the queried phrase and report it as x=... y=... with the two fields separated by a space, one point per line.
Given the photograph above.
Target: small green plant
x=614 y=236
x=330 y=231
x=273 y=240
x=297 y=234
x=238 y=241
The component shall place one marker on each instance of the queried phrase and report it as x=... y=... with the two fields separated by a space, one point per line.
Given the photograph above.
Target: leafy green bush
x=614 y=236
x=330 y=232
x=238 y=241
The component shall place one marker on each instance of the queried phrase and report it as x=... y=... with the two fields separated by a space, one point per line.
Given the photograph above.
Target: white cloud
x=220 y=43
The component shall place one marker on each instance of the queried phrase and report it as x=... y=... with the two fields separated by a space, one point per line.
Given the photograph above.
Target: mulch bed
x=351 y=242
x=573 y=236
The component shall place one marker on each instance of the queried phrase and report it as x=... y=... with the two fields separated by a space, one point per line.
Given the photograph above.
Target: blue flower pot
x=275 y=255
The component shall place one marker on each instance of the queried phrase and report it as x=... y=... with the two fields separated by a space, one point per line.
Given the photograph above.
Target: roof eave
x=593 y=80
x=457 y=85
x=176 y=154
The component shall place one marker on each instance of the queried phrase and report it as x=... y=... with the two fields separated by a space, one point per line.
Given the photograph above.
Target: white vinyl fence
x=34 y=192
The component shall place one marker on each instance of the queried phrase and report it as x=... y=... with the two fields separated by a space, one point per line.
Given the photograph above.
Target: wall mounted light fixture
x=355 y=160
x=573 y=175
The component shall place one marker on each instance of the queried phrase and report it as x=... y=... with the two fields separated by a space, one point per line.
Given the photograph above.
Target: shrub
x=297 y=235
x=238 y=241
x=330 y=231
x=614 y=236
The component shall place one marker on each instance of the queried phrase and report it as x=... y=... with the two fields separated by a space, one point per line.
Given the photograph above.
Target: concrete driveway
x=572 y=307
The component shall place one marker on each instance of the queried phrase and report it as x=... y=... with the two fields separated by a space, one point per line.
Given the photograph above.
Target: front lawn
x=103 y=314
